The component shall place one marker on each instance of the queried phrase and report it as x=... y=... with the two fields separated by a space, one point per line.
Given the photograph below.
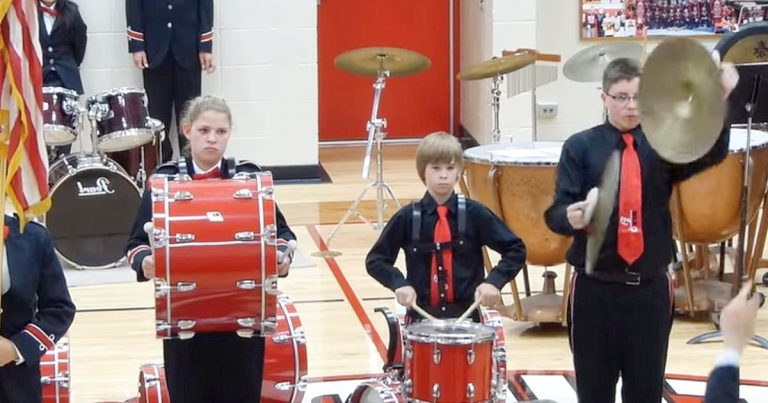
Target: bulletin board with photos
x=641 y=18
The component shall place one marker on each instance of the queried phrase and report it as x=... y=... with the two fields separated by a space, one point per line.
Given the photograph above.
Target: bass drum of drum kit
x=95 y=194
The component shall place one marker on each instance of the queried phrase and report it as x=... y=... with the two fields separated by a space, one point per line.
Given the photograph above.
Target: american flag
x=22 y=148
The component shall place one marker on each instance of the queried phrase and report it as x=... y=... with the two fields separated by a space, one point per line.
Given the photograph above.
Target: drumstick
x=422 y=312
x=468 y=311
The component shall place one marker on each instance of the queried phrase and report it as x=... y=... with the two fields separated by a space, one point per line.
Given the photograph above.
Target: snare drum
x=449 y=361
x=215 y=248
x=379 y=391
x=517 y=182
x=122 y=120
x=153 y=387
x=92 y=205
x=54 y=373
x=709 y=219
x=60 y=115
x=285 y=357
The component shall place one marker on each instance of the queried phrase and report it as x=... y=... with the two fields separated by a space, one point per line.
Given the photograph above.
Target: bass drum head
x=747 y=45
x=91 y=215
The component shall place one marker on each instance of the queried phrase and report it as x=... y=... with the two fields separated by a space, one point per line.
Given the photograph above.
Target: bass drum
x=93 y=204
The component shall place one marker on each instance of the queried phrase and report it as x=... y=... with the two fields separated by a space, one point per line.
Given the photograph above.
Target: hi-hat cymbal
x=497 y=66
x=588 y=64
x=369 y=61
x=681 y=100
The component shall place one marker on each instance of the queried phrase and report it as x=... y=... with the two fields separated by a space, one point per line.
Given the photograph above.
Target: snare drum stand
x=495 y=94
x=749 y=106
x=375 y=133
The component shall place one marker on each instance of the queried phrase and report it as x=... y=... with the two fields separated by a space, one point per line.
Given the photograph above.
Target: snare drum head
x=520 y=153
x=92 y=211
x=738 y=141
x=450 y=332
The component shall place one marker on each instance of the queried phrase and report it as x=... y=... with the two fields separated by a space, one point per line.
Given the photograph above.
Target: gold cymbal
x=681 y=100
x=369 y=61
x=588 y=64
x=497 y=66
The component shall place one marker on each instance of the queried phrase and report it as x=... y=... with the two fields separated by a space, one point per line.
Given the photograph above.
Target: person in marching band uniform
x=444 y=267
x=63 y=37
x=210 y=367
x=36 y=309
x=620 y=316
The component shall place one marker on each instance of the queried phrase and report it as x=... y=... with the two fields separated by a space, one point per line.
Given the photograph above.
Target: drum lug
x=186 y=324
x=183 y=195
x=162 y=326
x=270 y=284
x=436 y=390
x=267 y=193
x=185 y=286
x=285 y=386
x=470 y=356
x=268 y=327
x=245 y=333
x=500 y=355
x=436 y=354
x=245 y=236
x=408 y=386
x=158 y=195
x=283 y=337
x=271 y=234
x=246 y=322
x=159 y=239
x=184 y=238
x=246 y=284
x=186 y=335
x=408 y=352
x=243 y=194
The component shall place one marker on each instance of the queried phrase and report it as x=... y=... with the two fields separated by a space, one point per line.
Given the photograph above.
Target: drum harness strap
x=229 y=167
x=418 y=246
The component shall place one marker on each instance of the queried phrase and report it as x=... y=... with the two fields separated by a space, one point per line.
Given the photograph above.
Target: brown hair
x=621 y=69
x=438 y=148
x=197 y=106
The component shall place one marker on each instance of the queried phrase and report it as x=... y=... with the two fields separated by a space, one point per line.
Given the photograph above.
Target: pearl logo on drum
x=101 y=188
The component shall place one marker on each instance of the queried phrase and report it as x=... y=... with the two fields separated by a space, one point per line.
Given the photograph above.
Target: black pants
x=618 y=329
x=214 y=368
x=169 y=86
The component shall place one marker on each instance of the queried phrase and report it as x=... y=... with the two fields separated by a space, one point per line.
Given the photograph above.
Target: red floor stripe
x=349 y=293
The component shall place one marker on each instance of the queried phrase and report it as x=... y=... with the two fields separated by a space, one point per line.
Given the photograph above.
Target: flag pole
x=4 y=132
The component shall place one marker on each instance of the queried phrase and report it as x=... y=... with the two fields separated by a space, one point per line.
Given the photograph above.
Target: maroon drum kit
x=88 y=187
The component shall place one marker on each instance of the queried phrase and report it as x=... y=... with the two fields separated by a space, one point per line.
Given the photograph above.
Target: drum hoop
x=284 y=301
x=47 y=127
x=60 y=90
x=752 y=147
x=506 y=162
x=451 y=341
x=114 y=92
x=120 y=134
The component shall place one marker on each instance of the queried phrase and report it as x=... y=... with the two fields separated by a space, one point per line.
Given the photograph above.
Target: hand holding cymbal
x=370 y=61
x=681 y=100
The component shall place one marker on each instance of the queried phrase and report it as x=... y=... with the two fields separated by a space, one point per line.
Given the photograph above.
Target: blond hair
x=199 y=105
x=438 y=148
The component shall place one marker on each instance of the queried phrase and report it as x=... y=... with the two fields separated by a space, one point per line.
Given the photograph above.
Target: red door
x=414 y=105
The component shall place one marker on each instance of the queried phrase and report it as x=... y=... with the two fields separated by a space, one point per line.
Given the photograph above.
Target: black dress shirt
x=483 y=229
x=582 y=161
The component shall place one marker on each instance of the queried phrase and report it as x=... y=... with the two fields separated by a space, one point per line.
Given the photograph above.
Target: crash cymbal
x=369 y=61
x=497 y=66
x=681 y=100
x=588 y=64
x=605 y=202
x=748 y=45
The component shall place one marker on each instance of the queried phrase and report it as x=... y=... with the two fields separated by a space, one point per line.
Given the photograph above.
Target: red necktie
x=212 y=174
x=442 y=234
x=49 y=11
x=630 y=225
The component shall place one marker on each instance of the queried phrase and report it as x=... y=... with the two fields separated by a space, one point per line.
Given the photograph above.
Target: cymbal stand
x=739 y=265
x=376 y=134
x=495 y=95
